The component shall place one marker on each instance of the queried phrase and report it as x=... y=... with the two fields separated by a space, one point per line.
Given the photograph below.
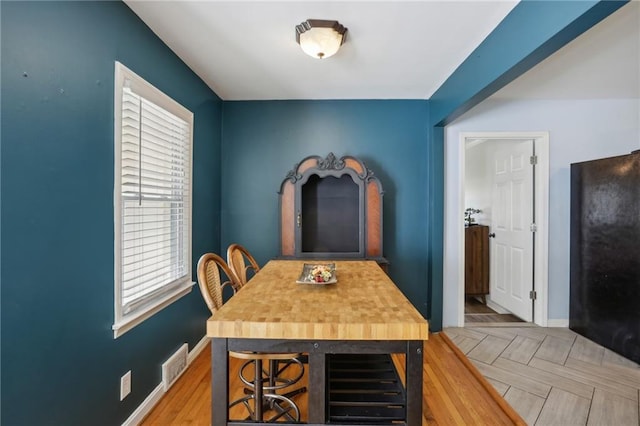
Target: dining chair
x=261 y=386
x=242 y=263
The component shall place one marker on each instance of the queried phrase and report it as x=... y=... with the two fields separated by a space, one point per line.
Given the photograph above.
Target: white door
x=511 y=250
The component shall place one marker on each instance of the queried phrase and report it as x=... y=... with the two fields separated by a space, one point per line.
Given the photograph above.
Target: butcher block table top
x=363 y=305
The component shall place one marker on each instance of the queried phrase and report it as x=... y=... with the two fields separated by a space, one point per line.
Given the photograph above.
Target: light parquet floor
x=553 y=376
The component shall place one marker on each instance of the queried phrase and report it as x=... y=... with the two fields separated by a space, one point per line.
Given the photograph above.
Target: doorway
x=535 y=226
x=499 y=191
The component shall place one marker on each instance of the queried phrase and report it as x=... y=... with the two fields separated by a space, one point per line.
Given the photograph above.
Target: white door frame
x=454 y=241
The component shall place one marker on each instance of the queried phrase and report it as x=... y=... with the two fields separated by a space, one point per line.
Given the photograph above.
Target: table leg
x=219 y=382
x=414 y=381
x=317 y=387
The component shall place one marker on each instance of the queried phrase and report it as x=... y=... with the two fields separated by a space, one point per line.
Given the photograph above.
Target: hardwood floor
x=550 y=376
x=455 y=393
x=476 y=312
x=553 y=376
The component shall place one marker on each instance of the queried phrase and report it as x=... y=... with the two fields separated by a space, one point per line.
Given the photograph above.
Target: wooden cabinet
x=331 y=208
x=476 y=268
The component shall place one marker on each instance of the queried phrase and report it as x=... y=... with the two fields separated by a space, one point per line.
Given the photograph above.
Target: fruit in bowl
x=320 y=274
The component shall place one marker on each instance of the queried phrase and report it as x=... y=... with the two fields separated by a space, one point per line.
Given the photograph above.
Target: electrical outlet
x=125 y=385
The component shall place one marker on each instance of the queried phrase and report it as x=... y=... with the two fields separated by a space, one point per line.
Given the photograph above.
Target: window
x=152 y=200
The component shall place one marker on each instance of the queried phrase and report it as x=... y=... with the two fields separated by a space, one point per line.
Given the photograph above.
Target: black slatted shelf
x=365 y=389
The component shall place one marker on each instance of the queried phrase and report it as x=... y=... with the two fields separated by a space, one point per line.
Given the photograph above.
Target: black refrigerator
x=605 y=253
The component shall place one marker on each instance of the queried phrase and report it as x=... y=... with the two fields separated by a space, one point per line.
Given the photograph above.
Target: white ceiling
x=246 y=50
x=602 y=63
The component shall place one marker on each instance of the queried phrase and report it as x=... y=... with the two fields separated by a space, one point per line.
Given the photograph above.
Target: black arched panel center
x=331 y=215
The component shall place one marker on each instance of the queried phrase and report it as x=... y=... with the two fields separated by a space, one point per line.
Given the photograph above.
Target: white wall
x=477 y=185
x=587 y=96
x=579 y=130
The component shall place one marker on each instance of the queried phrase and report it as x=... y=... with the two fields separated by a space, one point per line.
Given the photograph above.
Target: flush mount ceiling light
x=319 y=38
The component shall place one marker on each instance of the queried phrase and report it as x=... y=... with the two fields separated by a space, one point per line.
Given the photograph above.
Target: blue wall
x=263 y=141
x=60 y=362
x=58 y=352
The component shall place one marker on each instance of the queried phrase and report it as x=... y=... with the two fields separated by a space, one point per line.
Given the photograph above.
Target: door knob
x=492 y=235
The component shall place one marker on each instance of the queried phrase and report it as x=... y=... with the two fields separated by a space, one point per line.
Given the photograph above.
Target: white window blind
x=153 y=199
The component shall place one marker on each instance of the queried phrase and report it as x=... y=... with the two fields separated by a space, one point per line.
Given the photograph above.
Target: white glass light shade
x=320 y=42
x=320 y=39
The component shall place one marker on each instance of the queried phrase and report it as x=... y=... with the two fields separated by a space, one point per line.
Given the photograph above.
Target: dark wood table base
x=317 y=351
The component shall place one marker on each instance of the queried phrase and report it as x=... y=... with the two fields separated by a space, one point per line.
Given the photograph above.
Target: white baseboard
x=154 y=397
x=146 y=406
x=199 y=347
x=564 y=323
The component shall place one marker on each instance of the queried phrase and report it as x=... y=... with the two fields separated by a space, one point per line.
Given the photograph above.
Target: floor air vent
x=174 y=366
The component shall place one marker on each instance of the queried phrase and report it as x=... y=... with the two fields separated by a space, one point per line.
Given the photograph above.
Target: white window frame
x=128 y=316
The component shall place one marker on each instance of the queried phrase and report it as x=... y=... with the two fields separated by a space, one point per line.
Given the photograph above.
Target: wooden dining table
x=364 y=312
